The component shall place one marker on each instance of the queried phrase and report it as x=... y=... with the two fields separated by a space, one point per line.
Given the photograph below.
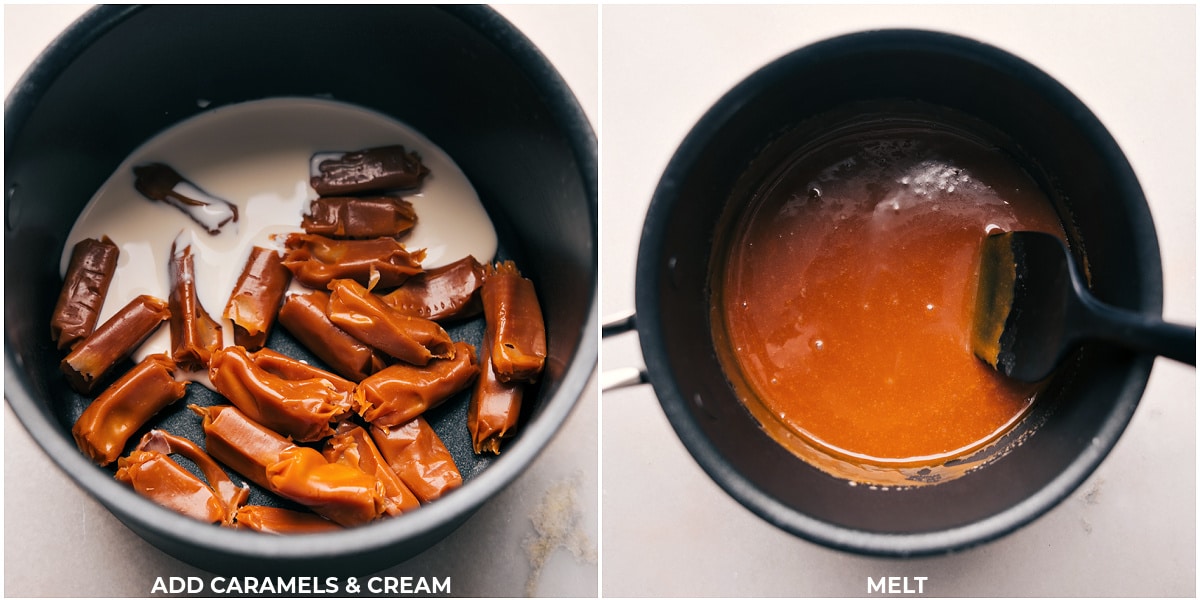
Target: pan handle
x=619 y=324
x=626 y=376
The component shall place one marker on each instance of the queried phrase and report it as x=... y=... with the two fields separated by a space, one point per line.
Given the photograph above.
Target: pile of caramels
x=348 y=442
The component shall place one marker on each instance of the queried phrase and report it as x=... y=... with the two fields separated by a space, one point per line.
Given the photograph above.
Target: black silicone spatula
x=1032 y=307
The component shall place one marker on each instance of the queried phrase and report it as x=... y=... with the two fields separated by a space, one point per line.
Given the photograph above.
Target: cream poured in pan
x=257 y=156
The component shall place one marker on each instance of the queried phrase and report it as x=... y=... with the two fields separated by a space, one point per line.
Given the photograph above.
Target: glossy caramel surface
x=846 y=295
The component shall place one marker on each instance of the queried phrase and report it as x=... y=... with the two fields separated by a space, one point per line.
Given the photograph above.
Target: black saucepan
x=462 y=76
x=1055 y=138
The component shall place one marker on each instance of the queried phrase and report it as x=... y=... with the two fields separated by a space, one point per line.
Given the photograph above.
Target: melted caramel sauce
x=846 y=295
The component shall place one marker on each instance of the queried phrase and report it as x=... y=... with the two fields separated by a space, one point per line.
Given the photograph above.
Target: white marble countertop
x=669 y=530
x=58 y=541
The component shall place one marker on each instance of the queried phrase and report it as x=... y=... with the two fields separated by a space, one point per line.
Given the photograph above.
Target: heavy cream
x=257 y=156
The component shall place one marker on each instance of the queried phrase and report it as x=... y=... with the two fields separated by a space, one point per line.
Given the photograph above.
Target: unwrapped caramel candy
x=381 y=263
x=290 y=368
x=302 y=409
x=254 y=302
x=447 y=292
x=402 y=392
x=419 y=457
x=370 y=170
x=339 y=492
x=368 y=319
x=495 y=405
x=108 y=422
x=304 y=316
x=153 y=474
x=513 y=315
x=194 y=334
x=359 y=218
x=282 y=521
x=91 y=359
x=93 y=263
x=161 y=183
x=239 y=442
x=352 y=446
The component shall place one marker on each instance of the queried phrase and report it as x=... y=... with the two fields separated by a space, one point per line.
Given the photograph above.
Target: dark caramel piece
x=402 y=392
x=338 y=492
x=352 y=446
x=290 y=368
x=156 y=476
x=162 y=183
x=301 y=409
x=304 y=316
x=254 y=302
x=495 y=405
x=418 y=456
x=93 y=263
x=194 y=334
x=112 y=418
x=382 y=263
x=282 y=521
x=368 y=319
x=240 y=443
x=359 y=218
x=91 y=359
x=370 y=170
x=512 y=312
x=443 y=293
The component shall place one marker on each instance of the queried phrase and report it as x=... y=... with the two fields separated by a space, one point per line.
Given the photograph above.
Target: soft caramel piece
x=512 y=312
x=365 y=316
x=255 y=299
x=108 y=422
x=194 y=334
x=282 y=521
x=240 y=443
x=369 y=170
x=418 y=456
x=290 y=368
x=495 y=405
x=114 y=340
x=301 y=409
x=156 y=477
x=443 y=293
x=402 y=392
x=162 y=183
x=93 y=263
x=340 y=493
x=359 y=218
x=382 y=263
x=352 y=446
x=231 y=494
x=304 y=316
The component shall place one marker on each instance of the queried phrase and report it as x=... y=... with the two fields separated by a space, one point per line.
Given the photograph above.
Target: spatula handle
x=1140 y=332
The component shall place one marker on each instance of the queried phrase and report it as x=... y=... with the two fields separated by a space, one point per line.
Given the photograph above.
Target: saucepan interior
x=462 y=76
x=1054 y=138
